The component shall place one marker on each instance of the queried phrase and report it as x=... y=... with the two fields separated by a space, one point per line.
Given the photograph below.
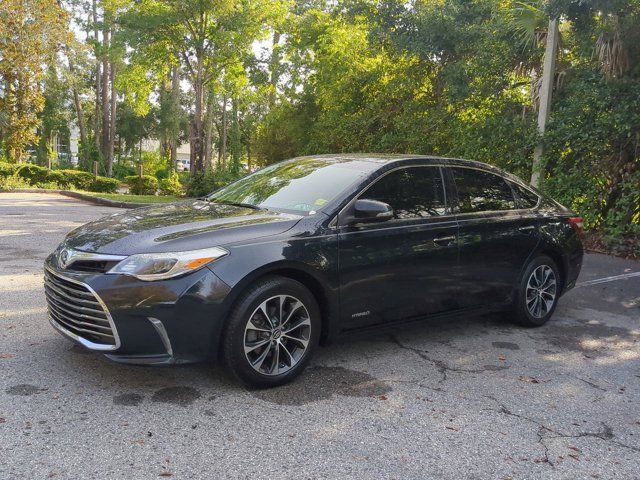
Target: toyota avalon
x=260 y=272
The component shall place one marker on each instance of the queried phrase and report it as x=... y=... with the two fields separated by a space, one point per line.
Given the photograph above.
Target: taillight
x=576 y=224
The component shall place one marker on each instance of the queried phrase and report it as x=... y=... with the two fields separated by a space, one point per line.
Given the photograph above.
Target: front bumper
x=177 y=320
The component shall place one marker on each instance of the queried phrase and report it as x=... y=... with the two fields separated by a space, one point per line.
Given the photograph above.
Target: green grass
x=121 y=197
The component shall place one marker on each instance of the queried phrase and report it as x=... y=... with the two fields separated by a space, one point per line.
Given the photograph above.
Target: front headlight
x=158 y=266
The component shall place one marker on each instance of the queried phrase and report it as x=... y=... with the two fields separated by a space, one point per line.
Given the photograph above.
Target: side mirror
x=371 y=211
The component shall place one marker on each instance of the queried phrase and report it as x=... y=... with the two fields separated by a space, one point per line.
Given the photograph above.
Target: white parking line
x=598 y=281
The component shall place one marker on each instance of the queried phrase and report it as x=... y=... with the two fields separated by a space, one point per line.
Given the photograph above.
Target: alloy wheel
x=541 y=291
x=277 y=335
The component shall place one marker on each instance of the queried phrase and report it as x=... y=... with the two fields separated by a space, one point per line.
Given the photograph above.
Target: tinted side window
x=414 y=192
x=480 y=191
x=524 y=198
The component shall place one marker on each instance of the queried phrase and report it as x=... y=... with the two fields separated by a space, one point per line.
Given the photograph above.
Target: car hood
x=174 y=227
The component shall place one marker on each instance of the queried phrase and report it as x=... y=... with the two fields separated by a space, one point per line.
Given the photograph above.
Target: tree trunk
x=274 y=68
x=236 y=151
x=105 y=93
x=112 y=123
x=223 y=140
x=197 y=134
x=548 y=73
x=175 y=99
x=97 y=113
x=208 y=139
x=78 y=107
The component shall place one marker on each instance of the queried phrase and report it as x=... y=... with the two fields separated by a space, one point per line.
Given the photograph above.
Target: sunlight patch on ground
x=19 y=282
x=24 y=311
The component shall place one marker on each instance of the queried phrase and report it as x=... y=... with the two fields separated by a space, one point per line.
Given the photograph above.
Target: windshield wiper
x=236 y=204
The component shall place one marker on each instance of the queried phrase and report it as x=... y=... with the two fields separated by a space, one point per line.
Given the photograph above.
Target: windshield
x=302 y=185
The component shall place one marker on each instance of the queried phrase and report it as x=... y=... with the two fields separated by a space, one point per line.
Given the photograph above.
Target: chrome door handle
x=445 y=241
x=528 y=228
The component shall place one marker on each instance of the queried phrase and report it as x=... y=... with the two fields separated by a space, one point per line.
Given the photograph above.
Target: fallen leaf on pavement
x=502 y=358
x=6 y=355
x=525 y=378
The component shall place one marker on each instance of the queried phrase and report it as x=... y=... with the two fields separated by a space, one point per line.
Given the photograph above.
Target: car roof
x=370 y=162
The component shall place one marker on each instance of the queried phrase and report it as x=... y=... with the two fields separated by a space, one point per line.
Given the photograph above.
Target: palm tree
x=610 y=48
x=528 y=20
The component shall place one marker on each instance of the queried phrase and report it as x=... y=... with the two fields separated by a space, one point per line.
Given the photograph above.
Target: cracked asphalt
x=462 y=398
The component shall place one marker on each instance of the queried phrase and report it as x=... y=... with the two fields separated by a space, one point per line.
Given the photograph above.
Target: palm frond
x=528 y=22
x=611 y=52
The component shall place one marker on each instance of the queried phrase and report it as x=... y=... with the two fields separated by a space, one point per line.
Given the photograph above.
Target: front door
x=402 y=267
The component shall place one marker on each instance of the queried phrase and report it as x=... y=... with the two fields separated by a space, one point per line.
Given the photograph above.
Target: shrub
x=7 y=169
x=152 y=163
x=57 y=177
x=25 y=176
x=202 y=184
x=32 y=173
x=73 y=178
x=122 y=170
x=11 y=183
x=164 y=173
x=104 y=185
x=171 y=185
x=145 y=185
x=47 y=185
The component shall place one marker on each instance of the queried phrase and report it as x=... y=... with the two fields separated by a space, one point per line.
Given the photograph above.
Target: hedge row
x=144 y=185
x=64 y=179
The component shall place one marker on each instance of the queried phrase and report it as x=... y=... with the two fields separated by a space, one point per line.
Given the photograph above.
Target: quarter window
x=414 y=192
x=524 y=198
x=480 y=191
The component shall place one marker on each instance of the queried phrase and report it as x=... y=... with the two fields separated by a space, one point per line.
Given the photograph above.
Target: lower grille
x=76 y=310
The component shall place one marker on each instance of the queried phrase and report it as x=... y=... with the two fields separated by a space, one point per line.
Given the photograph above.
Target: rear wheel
x=538 y=292
x=272 y=332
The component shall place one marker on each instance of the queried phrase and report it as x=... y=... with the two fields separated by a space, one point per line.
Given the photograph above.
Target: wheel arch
x=555 y=254
x=560 y=262
x=315 y=281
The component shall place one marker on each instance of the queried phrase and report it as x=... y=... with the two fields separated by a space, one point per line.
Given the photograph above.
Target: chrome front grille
x=78 y=312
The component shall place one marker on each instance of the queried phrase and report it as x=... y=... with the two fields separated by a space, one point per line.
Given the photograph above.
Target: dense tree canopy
x=251 y=82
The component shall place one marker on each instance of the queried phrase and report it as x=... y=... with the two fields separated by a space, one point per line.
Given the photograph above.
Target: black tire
x=522 y=312
x=245 y=308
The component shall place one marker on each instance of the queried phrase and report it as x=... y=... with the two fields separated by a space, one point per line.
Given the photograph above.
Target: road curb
x=81 y=196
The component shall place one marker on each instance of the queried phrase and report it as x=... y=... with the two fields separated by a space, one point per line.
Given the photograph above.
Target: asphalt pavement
x=449 y=399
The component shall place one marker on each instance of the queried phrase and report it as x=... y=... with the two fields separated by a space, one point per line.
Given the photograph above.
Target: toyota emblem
x=64 y=257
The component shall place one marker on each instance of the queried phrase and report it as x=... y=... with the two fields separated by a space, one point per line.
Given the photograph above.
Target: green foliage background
x=456 y=78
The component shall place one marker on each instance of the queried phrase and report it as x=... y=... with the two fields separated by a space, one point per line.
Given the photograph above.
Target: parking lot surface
x=456 y=398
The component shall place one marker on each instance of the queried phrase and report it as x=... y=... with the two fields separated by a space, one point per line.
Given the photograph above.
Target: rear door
x=496 y=235
x=402 y=267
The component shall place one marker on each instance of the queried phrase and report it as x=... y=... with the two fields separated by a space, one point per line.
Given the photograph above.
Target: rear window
x=480 y=191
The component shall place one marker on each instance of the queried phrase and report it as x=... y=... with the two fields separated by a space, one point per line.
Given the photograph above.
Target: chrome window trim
x=83 y=341
x=449 y=222
x=506 y=179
